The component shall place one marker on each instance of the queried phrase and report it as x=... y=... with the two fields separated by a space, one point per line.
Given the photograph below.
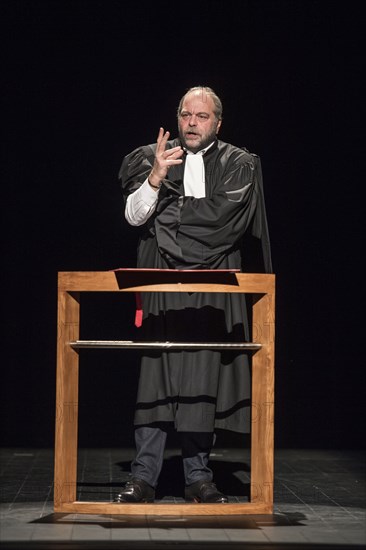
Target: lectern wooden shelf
x=262 y=289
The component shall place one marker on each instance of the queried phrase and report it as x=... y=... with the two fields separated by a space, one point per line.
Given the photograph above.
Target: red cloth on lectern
x=138 y=313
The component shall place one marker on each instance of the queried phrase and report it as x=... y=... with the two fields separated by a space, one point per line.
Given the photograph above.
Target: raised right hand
x=164 y=158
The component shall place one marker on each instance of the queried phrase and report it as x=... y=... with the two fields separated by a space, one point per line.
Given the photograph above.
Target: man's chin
x=192 y=144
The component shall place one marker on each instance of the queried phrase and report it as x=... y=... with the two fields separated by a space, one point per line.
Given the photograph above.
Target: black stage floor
x=320 y=502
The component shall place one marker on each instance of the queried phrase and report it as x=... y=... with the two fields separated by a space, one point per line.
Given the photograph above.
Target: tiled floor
x=320 y=502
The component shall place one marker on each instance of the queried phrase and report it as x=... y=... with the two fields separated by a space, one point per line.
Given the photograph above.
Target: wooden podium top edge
x=154 y=269
x=156 y=280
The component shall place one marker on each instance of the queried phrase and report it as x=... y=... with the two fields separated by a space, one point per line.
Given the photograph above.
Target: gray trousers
x=150 y=446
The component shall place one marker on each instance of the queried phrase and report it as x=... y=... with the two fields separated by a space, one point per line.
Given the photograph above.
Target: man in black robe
x=195 y=200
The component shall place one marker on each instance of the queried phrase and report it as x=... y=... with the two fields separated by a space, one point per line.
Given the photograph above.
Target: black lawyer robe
x=204 y=389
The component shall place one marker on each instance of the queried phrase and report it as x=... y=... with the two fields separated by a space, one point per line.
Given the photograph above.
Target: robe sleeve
x=196 y=233
x=135 y=168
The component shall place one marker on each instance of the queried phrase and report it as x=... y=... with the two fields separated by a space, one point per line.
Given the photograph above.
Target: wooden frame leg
x=67 y=380
x=262 y=431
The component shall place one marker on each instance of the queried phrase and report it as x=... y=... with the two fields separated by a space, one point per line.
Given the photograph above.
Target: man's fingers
x=174 y=152
x=160 y=134
x=162 y=140
x=166 y=157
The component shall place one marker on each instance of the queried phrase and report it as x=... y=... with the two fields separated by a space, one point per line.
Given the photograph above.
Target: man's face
x=197 y=123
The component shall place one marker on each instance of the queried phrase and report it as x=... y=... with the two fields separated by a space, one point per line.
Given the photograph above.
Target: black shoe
x=136 y=490
x=204 y=491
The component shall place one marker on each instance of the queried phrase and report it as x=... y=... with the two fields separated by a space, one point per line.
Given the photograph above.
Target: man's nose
x=193 y=120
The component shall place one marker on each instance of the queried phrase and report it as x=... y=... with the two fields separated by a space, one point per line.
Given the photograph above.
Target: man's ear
x=218 y=126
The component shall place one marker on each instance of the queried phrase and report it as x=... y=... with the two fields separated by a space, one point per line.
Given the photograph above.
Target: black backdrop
x=84 y=82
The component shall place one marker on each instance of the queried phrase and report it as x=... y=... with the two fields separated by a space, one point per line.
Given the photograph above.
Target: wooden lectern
x=262 y=289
